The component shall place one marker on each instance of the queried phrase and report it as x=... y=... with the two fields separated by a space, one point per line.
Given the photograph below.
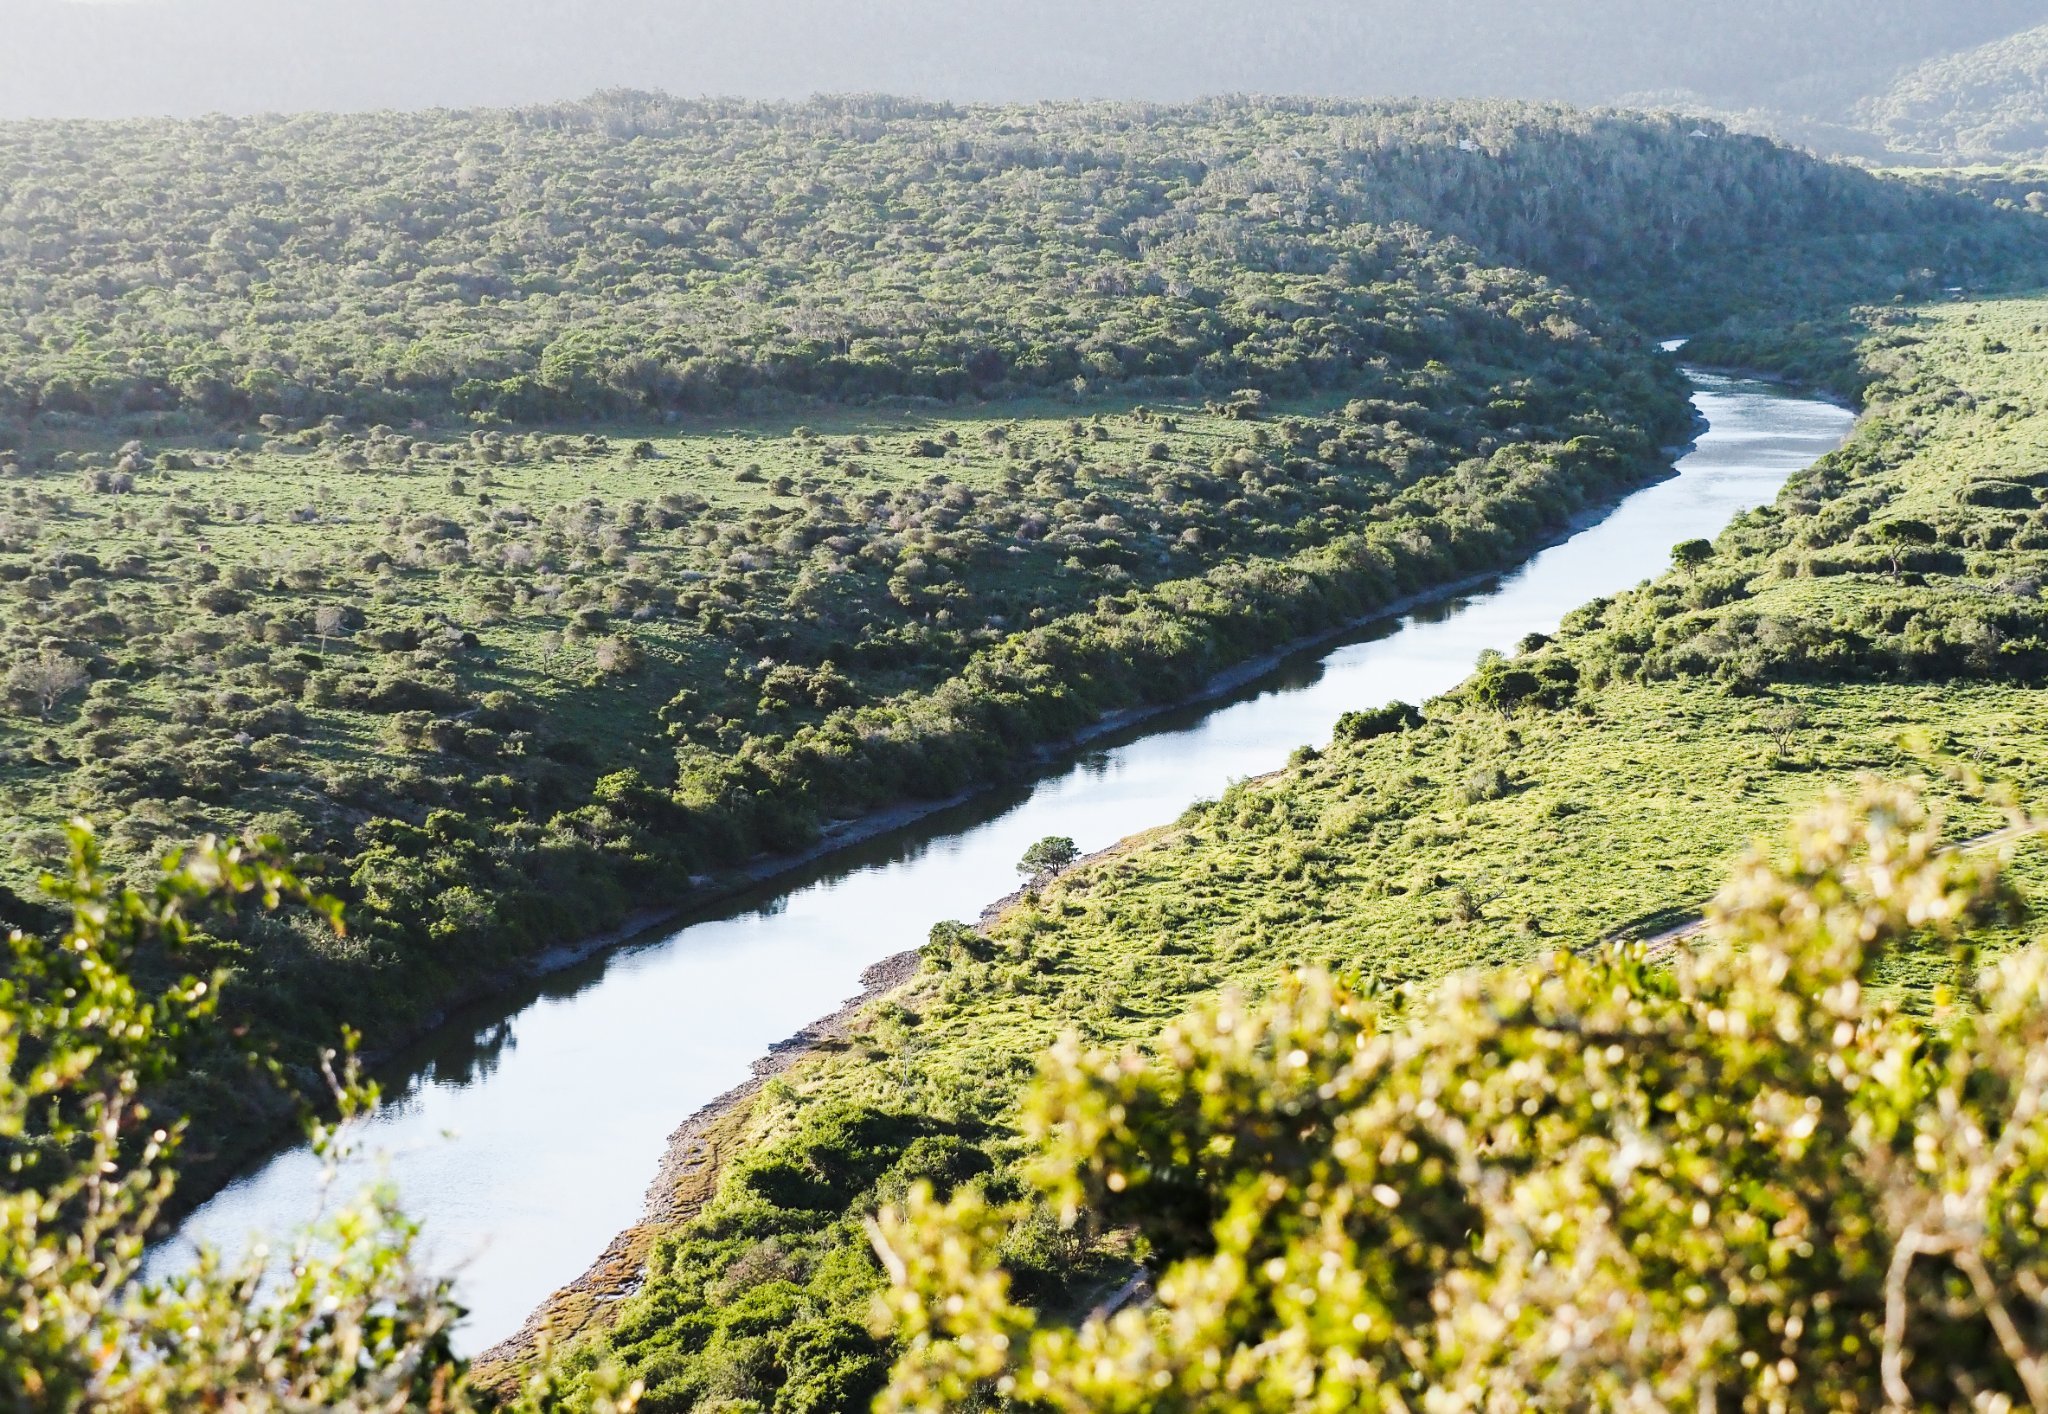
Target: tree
x=1049 y=858
x=47 y=678
x=1690 y=555
x=1742 y=1180
x=1785 y=722
x=1902 y=534
x=329 y=621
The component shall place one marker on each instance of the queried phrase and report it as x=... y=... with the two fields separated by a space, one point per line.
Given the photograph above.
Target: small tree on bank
x=1901 y=535
x=1048 y=859
x=1691 y=554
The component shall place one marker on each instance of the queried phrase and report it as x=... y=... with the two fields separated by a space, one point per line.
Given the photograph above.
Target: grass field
x=503 y=687
x=1810 y=645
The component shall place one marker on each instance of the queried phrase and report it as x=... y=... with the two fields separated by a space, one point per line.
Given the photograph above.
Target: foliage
x=1983 y=104
x=504 y=686
x=637 y=254
x=500 y=683
x=1587 y=1183
x=1692 y=554
x=351 y=1325
x=1049 y=858
x=1882 y=561
x=47 y=678
x=1421 y=844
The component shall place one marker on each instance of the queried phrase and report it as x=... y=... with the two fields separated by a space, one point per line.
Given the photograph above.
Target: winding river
x=524 y=1139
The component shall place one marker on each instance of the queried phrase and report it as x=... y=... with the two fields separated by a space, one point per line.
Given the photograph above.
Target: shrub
x=1744 y=1179
x=46 y=679
x=358 y=1328
x=221 y=599
x=1692 y=554
x=1377 y=722
x=617 y=656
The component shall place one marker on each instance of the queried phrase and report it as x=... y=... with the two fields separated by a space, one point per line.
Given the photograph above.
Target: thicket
x=355 y=1326
x=637 y=254
x=1866 y=568
x=344 y=1318
x=503 y=687
x=500 y=687
x=1590 y=786
x=1983 y=104
x=1740 y=1180
x=507 y=686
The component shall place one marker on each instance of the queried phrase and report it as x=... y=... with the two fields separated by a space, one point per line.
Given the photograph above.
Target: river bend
x=524 y=1139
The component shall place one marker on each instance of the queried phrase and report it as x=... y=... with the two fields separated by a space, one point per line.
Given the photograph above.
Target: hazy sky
x=125 y=57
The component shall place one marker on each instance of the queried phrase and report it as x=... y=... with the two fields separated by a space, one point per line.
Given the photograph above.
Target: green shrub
x=1588 y=1183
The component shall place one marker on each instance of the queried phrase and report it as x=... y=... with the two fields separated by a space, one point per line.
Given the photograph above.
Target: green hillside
x=1985 y=104
x=637 y=256
x=1885 y=615
x=522 y=519
x=525 y=513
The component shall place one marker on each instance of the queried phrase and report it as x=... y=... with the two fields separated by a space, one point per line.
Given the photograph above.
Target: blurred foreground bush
x=1740 y=1180
x=345 y=1321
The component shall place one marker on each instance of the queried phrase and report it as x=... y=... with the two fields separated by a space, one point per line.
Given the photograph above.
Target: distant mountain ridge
x=1982 y=104
x=1813 y=58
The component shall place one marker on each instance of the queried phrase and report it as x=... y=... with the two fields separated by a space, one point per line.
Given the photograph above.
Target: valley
x=510 y=615
x=1482 y=835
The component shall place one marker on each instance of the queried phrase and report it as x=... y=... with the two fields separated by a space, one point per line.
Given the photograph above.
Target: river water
x=524 y=1139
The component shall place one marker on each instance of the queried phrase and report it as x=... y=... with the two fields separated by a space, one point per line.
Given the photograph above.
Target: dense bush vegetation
x=304 y=517
x=1984 y=104
x=509 y=683
x=1867 y=568
x=637 y=255
x=1736 y=1181
x=1592 y=786
x=341 y=1317
x=505 y=685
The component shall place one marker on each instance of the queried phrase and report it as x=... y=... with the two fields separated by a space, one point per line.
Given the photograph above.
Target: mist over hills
x=1982 y=104
x=1814 y=58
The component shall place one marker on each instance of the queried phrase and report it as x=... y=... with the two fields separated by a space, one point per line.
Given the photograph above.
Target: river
x=524 y=1139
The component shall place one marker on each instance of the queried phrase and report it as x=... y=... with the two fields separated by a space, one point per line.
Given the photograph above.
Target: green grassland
x=1885 y=614
x=526 y=514
x=504 y=686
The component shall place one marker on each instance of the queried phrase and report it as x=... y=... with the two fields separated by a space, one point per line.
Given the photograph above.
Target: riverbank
x=693 y=1160
x=1119 y=947
x=691 y=1165
x=842 y=835
x=696 y=1151
x=580 y=1090
x=712 y=894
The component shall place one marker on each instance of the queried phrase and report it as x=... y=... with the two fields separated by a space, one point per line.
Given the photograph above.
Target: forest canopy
x=637 y=255
x=1984 y=104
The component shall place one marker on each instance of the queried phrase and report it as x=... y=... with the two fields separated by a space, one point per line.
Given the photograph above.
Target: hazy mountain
x=1985 y=103
x=125 y=57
